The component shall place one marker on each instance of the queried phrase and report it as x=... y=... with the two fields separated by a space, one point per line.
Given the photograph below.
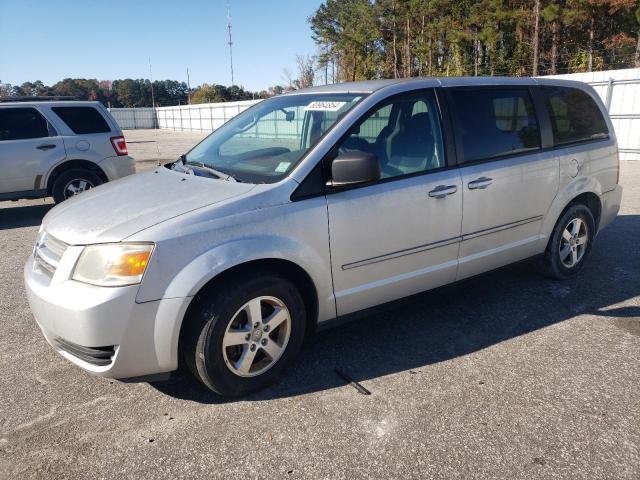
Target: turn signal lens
x=130 y=264
x=113 y=265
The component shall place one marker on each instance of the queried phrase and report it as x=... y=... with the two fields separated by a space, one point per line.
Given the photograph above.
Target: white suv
x=58 y=149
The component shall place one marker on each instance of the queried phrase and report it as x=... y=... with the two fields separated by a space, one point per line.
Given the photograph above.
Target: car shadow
x=458 y=320
x=23 y=215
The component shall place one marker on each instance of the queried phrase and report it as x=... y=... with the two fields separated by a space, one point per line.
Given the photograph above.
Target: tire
x=79 y=178
x=224 y=314
x=564 y=256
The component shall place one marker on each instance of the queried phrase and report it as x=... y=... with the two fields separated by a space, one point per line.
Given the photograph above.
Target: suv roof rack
x=33 y=98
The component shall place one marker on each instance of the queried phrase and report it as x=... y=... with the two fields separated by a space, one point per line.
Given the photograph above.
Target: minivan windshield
x=265 y=142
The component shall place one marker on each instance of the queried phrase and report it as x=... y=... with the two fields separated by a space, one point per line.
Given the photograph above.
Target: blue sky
x=50 y=40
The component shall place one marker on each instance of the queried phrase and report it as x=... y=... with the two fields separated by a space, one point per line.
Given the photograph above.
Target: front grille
x=48 y=252
x=99 y=356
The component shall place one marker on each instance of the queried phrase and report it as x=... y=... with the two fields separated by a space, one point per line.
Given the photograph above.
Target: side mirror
x=354 y=168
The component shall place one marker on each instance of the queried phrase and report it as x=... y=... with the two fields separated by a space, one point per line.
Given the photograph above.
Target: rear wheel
x=242 y=336
x=73 y=182
x=570 y=243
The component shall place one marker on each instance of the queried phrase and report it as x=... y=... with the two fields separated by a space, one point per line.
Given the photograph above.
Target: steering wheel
x=354 y=144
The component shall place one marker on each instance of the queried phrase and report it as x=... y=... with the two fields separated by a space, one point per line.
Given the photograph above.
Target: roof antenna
x=230 y=41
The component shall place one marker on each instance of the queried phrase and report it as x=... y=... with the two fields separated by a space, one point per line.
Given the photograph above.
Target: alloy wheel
x=256 y=336
x=573 y=243
x=77 y=186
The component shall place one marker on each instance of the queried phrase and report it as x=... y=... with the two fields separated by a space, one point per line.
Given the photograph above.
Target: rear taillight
x=119 y=145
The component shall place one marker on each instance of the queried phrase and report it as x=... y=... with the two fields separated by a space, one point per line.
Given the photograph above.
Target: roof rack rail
x=33 y=98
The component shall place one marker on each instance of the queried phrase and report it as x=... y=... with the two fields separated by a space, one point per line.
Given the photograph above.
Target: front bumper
x=610 y=206
x=81 y=320
x=118 y=167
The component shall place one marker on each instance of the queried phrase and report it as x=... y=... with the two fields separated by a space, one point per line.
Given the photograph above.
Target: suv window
x=574 y=115
x=495 y=122
x=82 y=119
x=404 y=133
x=22 y=123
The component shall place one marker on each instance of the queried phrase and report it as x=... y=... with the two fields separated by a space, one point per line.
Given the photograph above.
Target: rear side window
x=575 y=117
x=82 y=119
x=21 y=124
x=495 y=122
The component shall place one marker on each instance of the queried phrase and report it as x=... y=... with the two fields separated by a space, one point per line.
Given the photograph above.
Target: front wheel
x=570 y=243
x=240 y=337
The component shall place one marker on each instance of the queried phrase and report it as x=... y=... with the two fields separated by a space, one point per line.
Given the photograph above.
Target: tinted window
x=495 y=122
x=574 y=115
x=404 y=133
x=82 y=119
x=22 y=123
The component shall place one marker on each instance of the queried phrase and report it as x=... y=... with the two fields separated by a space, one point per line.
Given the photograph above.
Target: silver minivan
x=59 y=149
x=315 y=205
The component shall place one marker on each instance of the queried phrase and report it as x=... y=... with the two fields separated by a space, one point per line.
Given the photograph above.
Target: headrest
x=418 y=124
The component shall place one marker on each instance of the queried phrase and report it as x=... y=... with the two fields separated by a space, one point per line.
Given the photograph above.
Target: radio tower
x=230 y=41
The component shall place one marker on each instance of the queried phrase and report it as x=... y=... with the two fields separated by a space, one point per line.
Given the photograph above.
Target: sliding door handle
x=47 y=146
x=480 y=183
x=442 y=191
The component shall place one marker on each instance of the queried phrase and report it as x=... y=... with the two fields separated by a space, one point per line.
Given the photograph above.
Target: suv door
x=509 y=182
x=400 y=235
x=28 y=146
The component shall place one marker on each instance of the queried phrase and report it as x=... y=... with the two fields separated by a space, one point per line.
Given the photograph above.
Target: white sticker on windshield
x=282 y=167
x=322 y=106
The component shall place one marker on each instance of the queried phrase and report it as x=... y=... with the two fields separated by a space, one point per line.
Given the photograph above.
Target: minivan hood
x=119 y=209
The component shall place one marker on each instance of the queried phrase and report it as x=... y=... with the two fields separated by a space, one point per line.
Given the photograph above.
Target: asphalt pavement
x=509 y=375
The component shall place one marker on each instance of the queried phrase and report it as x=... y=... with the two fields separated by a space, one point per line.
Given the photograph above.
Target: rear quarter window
x=82 y=120
x=575 y=116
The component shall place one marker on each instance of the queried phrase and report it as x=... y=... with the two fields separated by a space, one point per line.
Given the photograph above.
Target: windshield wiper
x=217 y=173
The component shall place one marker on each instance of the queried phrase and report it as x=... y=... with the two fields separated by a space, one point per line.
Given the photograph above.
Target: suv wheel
x=242 y=336
x=570 y=242
x=73 y=182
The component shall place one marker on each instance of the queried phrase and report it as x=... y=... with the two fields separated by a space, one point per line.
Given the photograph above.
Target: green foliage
x=135 y=93
x=366 y=39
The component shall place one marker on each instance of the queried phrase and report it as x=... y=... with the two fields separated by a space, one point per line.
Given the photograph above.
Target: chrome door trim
x=499 y=228
x=440 y=243
x=401 y=253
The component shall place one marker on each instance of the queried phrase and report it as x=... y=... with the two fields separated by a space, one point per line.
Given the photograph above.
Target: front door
x=399 y=236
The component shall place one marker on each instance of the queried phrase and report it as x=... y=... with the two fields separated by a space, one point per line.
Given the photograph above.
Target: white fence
x=132 y=118
x=620 y=92
x=204 y=117
x=619 y=89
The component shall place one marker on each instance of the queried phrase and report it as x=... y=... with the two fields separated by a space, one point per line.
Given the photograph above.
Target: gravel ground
x=149 y=147
x=508 y=375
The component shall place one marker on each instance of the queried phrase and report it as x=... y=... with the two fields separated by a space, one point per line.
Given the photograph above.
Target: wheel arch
x=589 y=198
x=287 y=268
x=592 y=202
x=70 y=164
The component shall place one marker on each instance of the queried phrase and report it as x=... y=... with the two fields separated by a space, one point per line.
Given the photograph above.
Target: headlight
x=113 y=265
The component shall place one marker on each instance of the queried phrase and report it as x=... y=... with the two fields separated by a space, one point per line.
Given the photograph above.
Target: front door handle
x=480 y=183
x=442 y=191
x=47 y=146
